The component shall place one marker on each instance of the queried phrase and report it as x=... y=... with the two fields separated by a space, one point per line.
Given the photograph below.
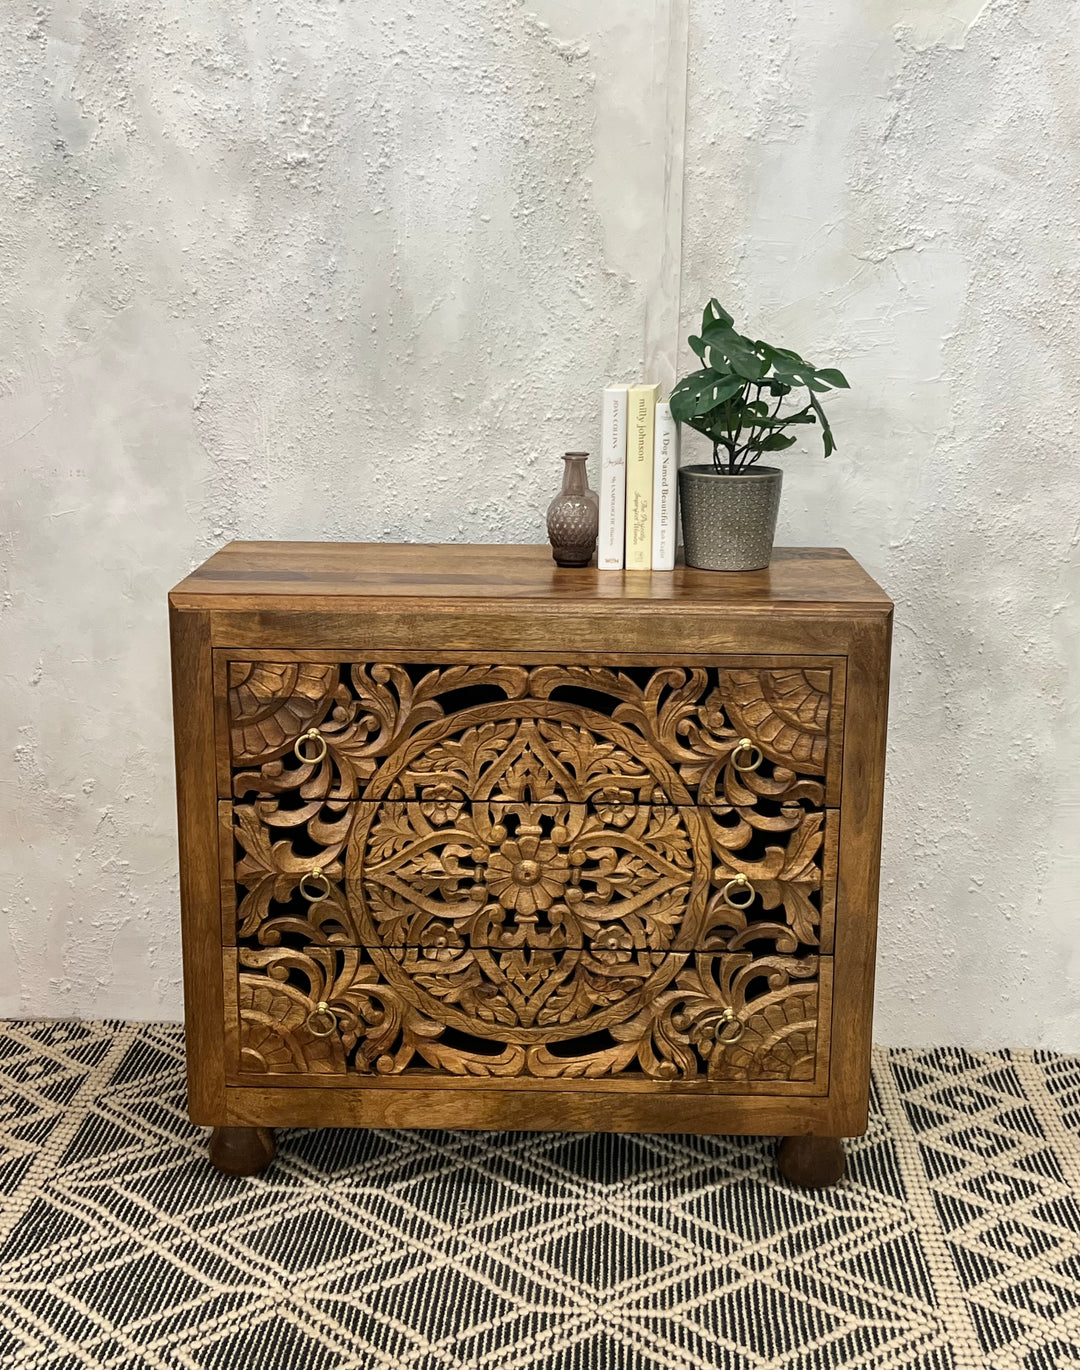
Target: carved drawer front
x=733 y=732
x=711 y=1021
x=445 y=874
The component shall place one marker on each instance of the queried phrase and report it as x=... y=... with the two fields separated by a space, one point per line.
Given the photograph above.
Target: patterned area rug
x=954 y=1241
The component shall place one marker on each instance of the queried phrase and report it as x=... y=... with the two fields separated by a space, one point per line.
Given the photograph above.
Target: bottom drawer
x=721 y=1022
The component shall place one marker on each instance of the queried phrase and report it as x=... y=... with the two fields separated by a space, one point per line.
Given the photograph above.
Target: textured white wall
x=893 y=188
x=359 y=271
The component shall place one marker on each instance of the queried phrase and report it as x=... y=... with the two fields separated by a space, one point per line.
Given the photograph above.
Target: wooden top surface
x=293 y=574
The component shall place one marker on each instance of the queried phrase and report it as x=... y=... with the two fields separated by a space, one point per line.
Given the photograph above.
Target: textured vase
x=573 y=516
x=729 y=521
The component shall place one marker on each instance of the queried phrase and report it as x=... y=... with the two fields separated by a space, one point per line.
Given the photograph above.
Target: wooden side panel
x=859 y=867
x=834 y=782
x=830 y=863
x=196 y=789
x=227 y=872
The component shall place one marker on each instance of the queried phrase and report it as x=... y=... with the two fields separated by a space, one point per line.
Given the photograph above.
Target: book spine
x=610 y=548
x=665 y=489
x=639 y=477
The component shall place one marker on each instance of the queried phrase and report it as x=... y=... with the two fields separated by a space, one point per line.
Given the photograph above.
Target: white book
x=611 y=543
x=665 y=489
x=639 y=476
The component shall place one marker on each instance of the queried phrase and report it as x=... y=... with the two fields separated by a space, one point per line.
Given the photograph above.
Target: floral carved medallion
x=529 y=871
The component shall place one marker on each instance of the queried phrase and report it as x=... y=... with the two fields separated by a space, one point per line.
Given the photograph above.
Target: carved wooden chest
x=470 y=841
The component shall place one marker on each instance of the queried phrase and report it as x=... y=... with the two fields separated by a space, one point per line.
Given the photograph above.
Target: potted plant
x=743 y=399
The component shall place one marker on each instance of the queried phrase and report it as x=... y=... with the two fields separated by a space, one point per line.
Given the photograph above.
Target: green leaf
x=699 y=346
x=833 y=377
x=736 y=351
x=790 y=373
x=714 y=313
x=722 y=390
x=776 y=442
x=826 y=431
x=803 y=416
x=702 y=391
x=765 y=352
x=724 y=330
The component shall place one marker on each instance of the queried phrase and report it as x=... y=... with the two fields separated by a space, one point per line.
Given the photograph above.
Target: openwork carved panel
x=728 y=1019
x=449 y=873
x=659 y=734
x=551 y=872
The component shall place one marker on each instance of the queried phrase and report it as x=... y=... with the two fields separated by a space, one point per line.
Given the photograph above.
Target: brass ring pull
x=322 y=1010
x=316 y=873
x=757 y=756
x=739 y=882
x=730 y=1029
x=312 y=735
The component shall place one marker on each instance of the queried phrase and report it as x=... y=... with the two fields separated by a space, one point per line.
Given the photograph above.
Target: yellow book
x=639 y=476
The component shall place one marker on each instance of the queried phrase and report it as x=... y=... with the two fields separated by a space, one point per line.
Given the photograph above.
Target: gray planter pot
x=729 y=521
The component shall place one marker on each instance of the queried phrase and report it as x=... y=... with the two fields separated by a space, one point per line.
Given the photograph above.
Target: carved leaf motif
x=675 y=1033
x=533 y=883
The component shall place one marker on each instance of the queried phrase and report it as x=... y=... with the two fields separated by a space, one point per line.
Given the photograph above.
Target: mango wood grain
x=653 y=1089
x=200 y=899
x=859 y=869
x=495 y=627
x=262 y=571
x=227 y=873
x=222 y=750
x=830 y=865
x=526 y=1111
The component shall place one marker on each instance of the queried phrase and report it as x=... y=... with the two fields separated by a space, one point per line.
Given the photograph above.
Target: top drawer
x=724 y=730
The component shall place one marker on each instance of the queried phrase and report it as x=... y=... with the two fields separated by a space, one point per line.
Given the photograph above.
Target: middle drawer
x=446 y=873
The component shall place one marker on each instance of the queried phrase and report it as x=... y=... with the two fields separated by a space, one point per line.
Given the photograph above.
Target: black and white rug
x=953 y=1243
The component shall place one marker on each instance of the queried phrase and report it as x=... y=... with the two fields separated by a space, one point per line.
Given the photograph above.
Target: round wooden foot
x=241 y=1150
x=811 y=1162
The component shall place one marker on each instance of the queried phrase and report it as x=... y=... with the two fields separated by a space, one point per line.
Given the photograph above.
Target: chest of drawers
x=470 y=841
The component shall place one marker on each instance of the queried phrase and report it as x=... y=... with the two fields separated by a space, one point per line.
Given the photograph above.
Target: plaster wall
x=892 y=187
x=359 y=271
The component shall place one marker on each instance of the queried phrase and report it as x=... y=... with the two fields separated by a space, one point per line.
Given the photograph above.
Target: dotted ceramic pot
x=729 y=521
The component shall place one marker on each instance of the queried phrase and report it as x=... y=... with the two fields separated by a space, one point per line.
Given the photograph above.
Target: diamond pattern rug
x=953 y=1244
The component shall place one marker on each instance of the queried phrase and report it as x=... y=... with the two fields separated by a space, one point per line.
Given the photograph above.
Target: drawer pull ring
x=320 y=1013
x=730 y=1029
x=312 y=735
x=755 y=756
x=749 y=894
x=316 y=873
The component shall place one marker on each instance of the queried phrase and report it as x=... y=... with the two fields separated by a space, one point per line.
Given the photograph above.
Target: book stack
x=638 y=481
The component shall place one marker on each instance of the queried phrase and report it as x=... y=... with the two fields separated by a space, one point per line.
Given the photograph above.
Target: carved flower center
x=527 y=872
